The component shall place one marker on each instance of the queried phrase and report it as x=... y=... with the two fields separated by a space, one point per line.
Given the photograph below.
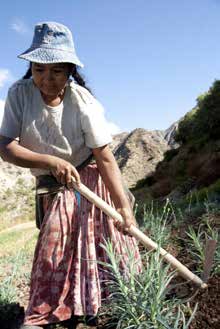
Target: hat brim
x=50 y=56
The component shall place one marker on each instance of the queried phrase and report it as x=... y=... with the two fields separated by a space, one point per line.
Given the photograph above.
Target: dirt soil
x=207 y=315
x=208 y=312
x=208 y=300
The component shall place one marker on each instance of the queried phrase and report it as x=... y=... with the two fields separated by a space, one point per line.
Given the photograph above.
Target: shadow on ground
x=11 y=315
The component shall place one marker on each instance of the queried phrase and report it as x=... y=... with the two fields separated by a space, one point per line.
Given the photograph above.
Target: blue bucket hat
x=52 y=43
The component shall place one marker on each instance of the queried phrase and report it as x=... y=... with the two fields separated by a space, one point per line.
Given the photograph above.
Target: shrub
x=186 y=126
x=203 y=121
x=211 y=193
x=148 y=181
x=139 y=301
x=170 y=154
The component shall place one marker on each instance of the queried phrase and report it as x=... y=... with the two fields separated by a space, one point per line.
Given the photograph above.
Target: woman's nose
x=48 y=76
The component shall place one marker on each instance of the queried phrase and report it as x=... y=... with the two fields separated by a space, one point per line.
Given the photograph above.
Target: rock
x=138 y=153
x=169 y=134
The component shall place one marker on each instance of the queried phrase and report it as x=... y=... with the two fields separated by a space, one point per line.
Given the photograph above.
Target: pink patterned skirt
x=67 y=278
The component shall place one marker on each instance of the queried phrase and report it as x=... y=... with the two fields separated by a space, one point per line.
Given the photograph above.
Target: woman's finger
x=120 y=227
x=63 y=178
x=54 y=173
x=69 y=178
x=76 y=175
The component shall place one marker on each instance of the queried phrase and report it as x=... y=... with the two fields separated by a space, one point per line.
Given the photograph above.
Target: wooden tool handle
x=143 y=238
x=210 y=249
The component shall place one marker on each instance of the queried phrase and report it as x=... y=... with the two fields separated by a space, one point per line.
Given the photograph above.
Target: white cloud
x=113 y=128
x=4 y=76
x=19 y=26
x=2 y=104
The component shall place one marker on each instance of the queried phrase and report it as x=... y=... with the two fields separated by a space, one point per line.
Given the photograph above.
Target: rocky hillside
x=11 y=175
x=16 y=195
x=183 y=171
x=138 y=153
x=190 y=171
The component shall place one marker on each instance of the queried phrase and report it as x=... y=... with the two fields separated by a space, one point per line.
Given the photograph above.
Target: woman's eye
x=39 y=70
x=54 y=71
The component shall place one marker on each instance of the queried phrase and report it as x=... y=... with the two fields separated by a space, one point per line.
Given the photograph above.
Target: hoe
x=151 y=245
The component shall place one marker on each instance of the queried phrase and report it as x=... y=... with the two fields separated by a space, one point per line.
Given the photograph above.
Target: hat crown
x=52 y=43
x=52 y=35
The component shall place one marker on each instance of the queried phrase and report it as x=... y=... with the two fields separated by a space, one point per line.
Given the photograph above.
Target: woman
x=53 y=126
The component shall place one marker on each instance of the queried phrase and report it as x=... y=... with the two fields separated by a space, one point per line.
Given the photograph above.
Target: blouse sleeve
x=12 y=118
x=93 y=122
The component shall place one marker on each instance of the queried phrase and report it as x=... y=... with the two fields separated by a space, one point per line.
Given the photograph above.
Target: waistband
x=48 y=184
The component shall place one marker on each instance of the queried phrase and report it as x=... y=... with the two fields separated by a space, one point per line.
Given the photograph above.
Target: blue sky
x=145 y=60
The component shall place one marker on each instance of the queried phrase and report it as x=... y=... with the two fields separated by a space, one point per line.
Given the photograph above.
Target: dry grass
x=14 y=239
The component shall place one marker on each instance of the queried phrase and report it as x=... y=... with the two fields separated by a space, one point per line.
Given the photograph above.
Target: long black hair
x=73 y=72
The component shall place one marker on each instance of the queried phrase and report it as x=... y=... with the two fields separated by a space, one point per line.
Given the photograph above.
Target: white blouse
x=69 y=130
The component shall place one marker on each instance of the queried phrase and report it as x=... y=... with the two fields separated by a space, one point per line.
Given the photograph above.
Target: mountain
x=138 y=153
x=189 y=171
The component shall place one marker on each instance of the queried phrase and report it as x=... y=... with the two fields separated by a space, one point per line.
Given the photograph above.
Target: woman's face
x=50 y=78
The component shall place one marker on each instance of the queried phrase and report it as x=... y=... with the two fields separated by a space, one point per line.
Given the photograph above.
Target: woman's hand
x=128 y=219
x=63 y=171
